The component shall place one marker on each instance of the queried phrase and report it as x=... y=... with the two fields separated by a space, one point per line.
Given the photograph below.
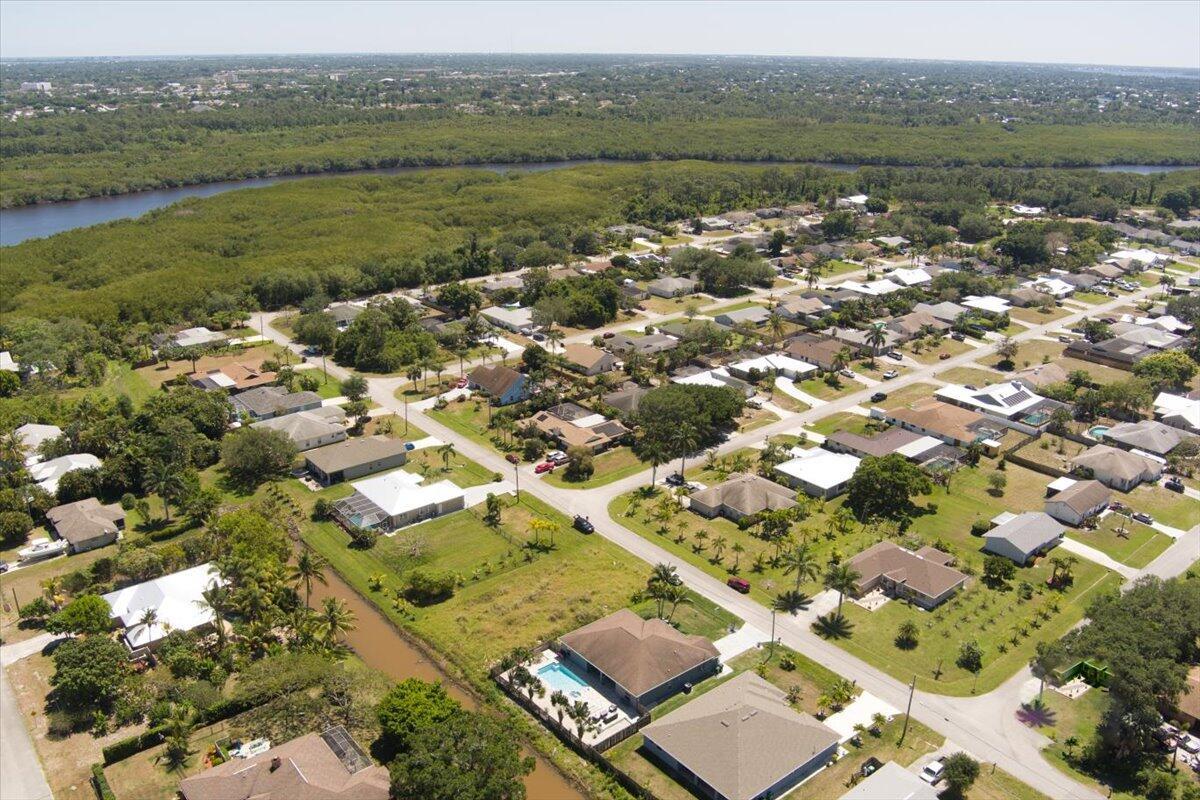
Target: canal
x=381 y=646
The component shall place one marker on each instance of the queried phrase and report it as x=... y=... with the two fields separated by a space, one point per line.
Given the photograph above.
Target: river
x=47 y=219
x=379 y=645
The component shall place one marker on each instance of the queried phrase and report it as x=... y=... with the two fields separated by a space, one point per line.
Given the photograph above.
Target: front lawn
x=1029 y=353
x=970 y=375
x=437 y=463
x=906 y=395
x=818 y=388
x=843 y=421
x=1167 y=507
x=1139 y=545
x=1039 y=316
x=611 y=465
x=468 y=417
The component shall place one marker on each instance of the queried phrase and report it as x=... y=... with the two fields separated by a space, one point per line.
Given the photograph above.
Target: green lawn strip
x=714 y=310
x=991 y=617
x=1167 y=507
x=613 y=465
x=1037 y=316
x=834 y=268
x=465 y=419
x=1037 y=351
x=971 y=375
x=436 y=466
x=932 y=355
x=1090 y=298
x=327 y=388
x=697 y=616
x=841 y=421
x=821 y=390
x=906 y=395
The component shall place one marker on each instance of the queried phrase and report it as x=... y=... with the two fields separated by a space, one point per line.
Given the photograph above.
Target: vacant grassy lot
x=612 y=465
x=468 y=417
x=1136 y=546
x=1005 y=626
x=1037 y=351
x=1052 y=451
x=843 y=421
x=821 y=390
x=1165 y=506
x=1039 y=316
x=119 y=379
x=907 y=395
x=931 y=355
x=971 y=376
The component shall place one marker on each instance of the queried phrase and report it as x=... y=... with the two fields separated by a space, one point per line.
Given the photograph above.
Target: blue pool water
x=1097 y=431
x=558 y=676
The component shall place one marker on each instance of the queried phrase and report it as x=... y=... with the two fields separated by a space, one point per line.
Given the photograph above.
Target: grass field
x=932 y=355
x=842 y=421
x=1139 y=546
x=612 y=465
x=821 y=390
x=1039 y=316
x=469 y=418
x=971 y=375
x=906 y=395
x=1037 y=351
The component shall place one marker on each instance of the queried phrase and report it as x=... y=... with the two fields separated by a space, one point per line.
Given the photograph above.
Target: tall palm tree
x=777 y=326
x=676 y=595
x=309 y=567
x=656 y=452
x=163 y=479
x=719 y=545
x=685 y=440
x=801 y=561
x=737 y=548
x=447 y=452
x=876 y=338
x=334 y=621
x=216 y=601
x=178 y=735
x=841 y=578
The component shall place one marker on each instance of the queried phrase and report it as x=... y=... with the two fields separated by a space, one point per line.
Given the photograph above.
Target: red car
x=739 y=585
x=513 y=458
x=545 y=466
x=462 y=383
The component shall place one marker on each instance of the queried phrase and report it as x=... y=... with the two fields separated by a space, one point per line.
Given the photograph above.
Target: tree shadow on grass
x=1036 y=715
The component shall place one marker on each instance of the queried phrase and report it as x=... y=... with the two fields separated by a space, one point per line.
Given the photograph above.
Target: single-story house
x=266 y=402
x=891 y=782
x=47 y=474
x=1025 y=296
x=924 y=577
x=1079 y=501
x=643 y=661
x=893 y=242
x=910 y=277
x=778 y=363
x=232 y=378
x=514 y=282
x=588 y=360
x=31 y=435
x=802 y=309
x=698 y=376
x=741 y=496
x=1056 y=288
x=1009 y=400
x=819 y=350
x=1148 y=435
x=1143 y=256
x=354 y=458
x=1178 y=411
x=915 y=324
x=174 y=599
x=945 y=311
x=856 y=339
x=1187 y=709
x=502 y=384
x=649 y=345
x=855 y=201
x=988 y=305
x=1126 y=350
x=894 y=440
x=1038 y=375
x=87 y=524
x=740 y=741
x=672 y=286
x=1023 y=537
x=396 y=499
x=324 y=766
x=316 y=427
x=191 y=337
x=626 y=399
x=344 y=314
x=1105 y=272
x=877 y=288
x=752 y=316
x=1082 y=281
x=1027 y=211
x=572 y=425
x=818 y=472
x=1118 y=469
x=517 y=320
x=950 y=423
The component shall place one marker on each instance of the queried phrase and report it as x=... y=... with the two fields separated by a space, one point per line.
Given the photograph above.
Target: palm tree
x=685 y=440
x=560 y=703
x=309 y=567
x=447 y=452
x=876 y=338
x=791 y=601
x=675 y=594
x=178 y=735
x=656 y=452
x=841 y=578
x=738 y=548
x=148 y=618
x=663 y=573
x=701 y=540
x=163 y=479
x=719 y=545
x=428 y=365
x=216 y=601
x=581 y=715
x=801 y=561
x=303 y=623
x=777 y=326
x=334 y=621
x=414 y=375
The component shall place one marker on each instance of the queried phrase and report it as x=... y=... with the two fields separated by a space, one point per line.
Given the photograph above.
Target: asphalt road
x=21 y=775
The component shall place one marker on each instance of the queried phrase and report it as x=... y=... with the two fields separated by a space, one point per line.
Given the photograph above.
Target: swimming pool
x=559 y=677
x=1097 y=431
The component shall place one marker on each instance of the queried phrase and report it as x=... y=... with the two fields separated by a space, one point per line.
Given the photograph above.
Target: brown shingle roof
x=746 y=494
x=928 y=576
x=495 y=380
x=302 y=769
x=84 y=520
x=742 y=737
x=639 y=654
x=584 y=355
x=814 y=350
x=942 y=418
x=879 y=445
x=1082 y=496
x=351 y=453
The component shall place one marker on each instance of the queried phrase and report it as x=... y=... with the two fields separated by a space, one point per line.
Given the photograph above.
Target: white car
x=931 y=773
x=1188 y=742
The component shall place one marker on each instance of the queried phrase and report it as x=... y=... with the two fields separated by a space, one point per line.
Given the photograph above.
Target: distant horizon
x=501 y=55
x=1153 y=34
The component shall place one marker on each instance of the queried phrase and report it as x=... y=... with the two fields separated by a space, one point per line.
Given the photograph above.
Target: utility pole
x=406 y=416
x=912 y=688
x=772 y=633
x=517 y=480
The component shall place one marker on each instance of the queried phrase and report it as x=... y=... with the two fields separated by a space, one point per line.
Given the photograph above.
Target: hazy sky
x=1163 y=33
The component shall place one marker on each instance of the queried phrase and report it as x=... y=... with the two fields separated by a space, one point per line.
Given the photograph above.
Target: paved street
x=21 y=775
x=986 y=725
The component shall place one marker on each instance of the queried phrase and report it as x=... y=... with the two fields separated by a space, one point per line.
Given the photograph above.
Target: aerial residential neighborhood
x=852 y=475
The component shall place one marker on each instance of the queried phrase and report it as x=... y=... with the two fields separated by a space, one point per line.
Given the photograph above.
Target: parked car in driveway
x=879 y=397
x=739 y=585
x=1188 y=742
x=545 y=466
x=891 y=373
x=895 y=356
x=1143 y=517
x=1174 y=484
x=847 y=373
x=675 y=479
x=557 y=457
x=958 y=337
x=461 y=383
x=931 y=773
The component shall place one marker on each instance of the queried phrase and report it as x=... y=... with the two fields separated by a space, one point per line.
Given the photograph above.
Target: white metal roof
x=48 y=473
x=777 y=362
x=910 y=277
x=989 y=303
x=821 y=468
x=1006 y=398
x=398 y=492
x=173 y=597
x=918 y=446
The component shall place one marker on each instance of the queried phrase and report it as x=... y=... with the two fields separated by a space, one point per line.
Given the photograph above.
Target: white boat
x=41 y=548
x=251 y=748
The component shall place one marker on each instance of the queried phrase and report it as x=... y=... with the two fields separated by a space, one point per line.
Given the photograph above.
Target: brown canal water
x=380 y=646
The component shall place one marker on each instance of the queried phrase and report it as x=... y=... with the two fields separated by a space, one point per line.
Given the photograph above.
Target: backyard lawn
x=612 y=465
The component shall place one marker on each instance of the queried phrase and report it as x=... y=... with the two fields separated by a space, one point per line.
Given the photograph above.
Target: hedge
x=100 y=782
